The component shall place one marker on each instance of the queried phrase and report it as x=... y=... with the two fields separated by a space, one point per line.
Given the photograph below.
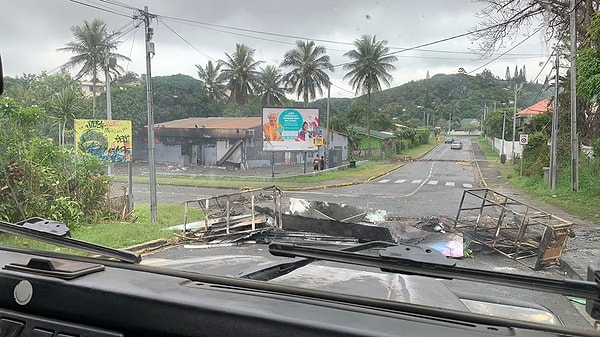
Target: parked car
x=456 y=145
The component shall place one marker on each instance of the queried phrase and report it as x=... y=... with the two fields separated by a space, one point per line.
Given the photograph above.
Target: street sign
x=318 y=141
x=524 y=139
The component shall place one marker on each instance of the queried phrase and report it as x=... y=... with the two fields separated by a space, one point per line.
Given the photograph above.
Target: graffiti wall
x=109 y=140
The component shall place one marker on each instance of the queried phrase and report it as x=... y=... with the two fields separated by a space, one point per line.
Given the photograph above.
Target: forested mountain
x=441 y=97
x=429 y=102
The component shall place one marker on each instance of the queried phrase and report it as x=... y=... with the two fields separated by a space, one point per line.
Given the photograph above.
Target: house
x=212 y=141
x=89 y=87
x=227 y=142
x=538 y=108
x=378 y=138
x=470 y=124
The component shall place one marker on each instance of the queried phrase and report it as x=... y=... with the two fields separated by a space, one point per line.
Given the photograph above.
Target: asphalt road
x=429 y=187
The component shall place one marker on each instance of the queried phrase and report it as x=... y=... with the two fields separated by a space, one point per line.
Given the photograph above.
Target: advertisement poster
x=290 y=129
x=109 y=140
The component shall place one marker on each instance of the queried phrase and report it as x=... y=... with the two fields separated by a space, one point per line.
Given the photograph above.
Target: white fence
x=496 y=144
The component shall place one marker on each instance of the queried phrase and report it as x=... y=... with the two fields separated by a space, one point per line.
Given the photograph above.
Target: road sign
x=318 y=141
x=524 y=139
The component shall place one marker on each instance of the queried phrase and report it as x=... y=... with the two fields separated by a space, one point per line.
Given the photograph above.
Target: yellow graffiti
x=109 y=140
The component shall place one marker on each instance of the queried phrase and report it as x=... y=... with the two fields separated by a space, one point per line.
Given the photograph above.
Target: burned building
x=225 y=142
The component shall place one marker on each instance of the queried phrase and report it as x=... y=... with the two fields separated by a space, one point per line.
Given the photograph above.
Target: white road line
x=467 y=185
x=450 y=183
x=383 y=181
x=399 y=181
x=433 y=182
x=416 y=181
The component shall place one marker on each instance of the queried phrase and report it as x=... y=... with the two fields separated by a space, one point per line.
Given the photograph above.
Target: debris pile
x=514 y=229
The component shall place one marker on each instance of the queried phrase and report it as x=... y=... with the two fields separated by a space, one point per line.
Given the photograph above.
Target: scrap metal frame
x=519 y=231
x=217 y=213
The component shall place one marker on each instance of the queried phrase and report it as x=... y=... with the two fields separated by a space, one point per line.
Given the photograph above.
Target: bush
x=40 y=179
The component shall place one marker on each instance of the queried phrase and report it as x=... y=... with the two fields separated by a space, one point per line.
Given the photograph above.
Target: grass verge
x=582 y=203
x=119 y=234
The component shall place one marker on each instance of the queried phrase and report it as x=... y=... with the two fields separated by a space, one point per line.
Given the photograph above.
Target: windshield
x=378 y=150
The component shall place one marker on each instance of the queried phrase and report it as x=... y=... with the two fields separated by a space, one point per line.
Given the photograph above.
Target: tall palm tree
x=308 y=63
x=270 y=90
x=93 y=47
x=66 y=106
x=370 y=65
x=213 y=80
x=240 y=73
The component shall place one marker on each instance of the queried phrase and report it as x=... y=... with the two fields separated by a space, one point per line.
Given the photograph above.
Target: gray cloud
x=32 y=30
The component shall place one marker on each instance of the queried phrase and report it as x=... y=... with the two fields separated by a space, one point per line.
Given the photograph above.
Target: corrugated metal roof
x=374 y=133
x=213 y=123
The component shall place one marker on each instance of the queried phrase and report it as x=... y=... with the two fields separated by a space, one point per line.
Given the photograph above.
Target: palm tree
x=270 y=91
x=240 y=73
x=93 y=47
x=66 y=105
x=212 y=79
x=369 y=67
x=308 y=63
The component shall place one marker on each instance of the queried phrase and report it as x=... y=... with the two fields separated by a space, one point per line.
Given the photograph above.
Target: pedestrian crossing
x=428 y=182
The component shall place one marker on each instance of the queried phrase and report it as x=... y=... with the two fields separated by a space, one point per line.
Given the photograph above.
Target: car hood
x=357 y=281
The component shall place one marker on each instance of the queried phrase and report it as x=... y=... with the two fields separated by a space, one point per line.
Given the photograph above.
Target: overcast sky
x=190 y=32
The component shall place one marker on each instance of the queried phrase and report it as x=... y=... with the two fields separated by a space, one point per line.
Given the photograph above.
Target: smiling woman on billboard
x=290 y=129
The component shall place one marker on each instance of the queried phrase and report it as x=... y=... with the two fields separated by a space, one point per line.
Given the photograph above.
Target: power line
x=234 y=31
x=104 y=9
x=182 y=38
x=513 y=47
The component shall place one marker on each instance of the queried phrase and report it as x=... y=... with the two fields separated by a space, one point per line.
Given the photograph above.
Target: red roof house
x=536 y=109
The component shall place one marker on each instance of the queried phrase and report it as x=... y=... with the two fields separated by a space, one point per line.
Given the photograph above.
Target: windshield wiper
x=415 y=260
x=25 y=229
x=275 y=269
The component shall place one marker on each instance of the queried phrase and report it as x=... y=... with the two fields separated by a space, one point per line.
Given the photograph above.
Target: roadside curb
x=148 y=246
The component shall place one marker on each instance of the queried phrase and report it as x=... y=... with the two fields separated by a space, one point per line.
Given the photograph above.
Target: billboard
x=290 y=129
x=109 y=140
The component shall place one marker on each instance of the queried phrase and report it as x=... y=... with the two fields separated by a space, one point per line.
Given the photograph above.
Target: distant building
x=226 y=142
x=470 y=124
x=88 y=88
x=378 y=139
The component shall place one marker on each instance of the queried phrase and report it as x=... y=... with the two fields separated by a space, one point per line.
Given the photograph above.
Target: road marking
x=383 y=181
x=450 y=183
x=150 y=261
x=468 y=185
x=399 y=181
x=416 y=181
x=433 y=182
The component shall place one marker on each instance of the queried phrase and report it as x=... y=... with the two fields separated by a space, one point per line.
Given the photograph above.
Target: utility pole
x=574 y=139
x=107 y=65
x=514 y=135
x=327 y=159
x=151 y=161
x=502 y=154
x=554 y=134
x=483 y=116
